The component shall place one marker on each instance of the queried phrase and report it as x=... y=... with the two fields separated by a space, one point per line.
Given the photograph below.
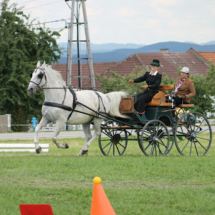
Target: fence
x=23 y=147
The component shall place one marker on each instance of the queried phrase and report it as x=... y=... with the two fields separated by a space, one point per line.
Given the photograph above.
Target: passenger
x=153 y=79
x=184 y=88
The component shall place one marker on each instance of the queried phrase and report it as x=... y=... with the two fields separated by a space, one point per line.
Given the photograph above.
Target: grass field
x=135 y=184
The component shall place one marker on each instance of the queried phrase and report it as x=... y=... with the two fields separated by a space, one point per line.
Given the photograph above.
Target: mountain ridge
x=114 y=55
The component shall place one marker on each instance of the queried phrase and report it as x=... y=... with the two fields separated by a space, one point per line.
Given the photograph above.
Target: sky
x=131 y=21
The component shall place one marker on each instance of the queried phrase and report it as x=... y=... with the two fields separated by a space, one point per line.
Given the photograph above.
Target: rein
x=83 y=88
x=76 y=102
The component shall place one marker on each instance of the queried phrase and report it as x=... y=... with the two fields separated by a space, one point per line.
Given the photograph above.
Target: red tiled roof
x=205 y=57
x=170 y=62
x=99 y=68
x=209 y=56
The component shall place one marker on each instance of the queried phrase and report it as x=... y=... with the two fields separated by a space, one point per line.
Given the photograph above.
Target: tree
x=22 y=45
x=118 y=82
x=210 y=79
x=202 y=99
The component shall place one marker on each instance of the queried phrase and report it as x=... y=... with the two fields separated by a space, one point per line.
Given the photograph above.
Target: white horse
x=62 y=107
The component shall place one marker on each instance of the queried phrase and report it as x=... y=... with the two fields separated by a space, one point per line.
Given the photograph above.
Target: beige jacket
x=186 y=89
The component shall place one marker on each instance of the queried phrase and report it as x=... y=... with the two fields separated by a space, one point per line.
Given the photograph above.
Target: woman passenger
x=184 y=88
x=153 y=79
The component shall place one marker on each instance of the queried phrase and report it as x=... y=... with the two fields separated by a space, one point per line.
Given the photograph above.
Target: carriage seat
x=159 y=98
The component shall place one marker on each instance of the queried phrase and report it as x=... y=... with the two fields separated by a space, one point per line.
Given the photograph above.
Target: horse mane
x=56 y=73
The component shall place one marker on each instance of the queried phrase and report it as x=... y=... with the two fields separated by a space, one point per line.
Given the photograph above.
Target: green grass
x=135 y=184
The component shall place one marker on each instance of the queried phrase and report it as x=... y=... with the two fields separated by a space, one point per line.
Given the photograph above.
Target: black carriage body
x=162 y=113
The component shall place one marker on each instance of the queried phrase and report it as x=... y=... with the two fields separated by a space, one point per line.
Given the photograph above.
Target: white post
x=8 y=122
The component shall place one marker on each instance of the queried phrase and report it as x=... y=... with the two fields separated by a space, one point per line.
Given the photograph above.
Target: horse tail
x=115 y=99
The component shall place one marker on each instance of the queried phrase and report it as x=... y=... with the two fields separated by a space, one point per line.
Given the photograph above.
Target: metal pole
x=78 y=44
x=90 y=59
x=69 y=61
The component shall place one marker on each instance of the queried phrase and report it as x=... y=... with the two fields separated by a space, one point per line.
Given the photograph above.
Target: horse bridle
x=40 y=76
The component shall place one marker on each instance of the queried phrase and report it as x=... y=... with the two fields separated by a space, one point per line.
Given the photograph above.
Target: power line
x=42 y=5
x=26 y=2
x=59 y=20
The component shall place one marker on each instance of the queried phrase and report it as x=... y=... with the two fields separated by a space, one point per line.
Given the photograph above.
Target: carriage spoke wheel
x=114 y=142
x=193 y=134
x=172 y=141
x=155 y=138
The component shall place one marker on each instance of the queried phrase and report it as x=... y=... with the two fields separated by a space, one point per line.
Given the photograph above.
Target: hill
x=121 y=53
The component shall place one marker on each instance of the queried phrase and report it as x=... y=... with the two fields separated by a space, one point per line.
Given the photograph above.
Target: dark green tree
x=22 y=45
x=202 y=99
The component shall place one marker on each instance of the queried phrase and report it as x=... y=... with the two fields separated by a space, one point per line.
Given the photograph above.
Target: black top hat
x=155 y=62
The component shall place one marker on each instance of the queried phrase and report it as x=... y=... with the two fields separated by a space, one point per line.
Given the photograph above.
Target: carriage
x=188 y=129
x=114 y=116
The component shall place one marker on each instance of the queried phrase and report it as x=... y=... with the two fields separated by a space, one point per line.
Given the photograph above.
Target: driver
x=153 y=79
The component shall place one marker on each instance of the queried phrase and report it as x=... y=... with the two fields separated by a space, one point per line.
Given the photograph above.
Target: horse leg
x=59 y=126
x=43 y=122
x=87 y=134
x=89 y=139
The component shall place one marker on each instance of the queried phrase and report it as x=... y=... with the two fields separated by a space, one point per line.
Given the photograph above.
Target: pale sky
x=133 y=21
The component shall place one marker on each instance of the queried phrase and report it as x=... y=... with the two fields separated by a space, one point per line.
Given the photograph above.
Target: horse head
x=38 y=78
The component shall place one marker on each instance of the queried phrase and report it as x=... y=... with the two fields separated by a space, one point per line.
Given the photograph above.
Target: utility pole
x=76 y=15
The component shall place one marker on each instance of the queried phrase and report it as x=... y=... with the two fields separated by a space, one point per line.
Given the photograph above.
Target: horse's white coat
x=59 y=116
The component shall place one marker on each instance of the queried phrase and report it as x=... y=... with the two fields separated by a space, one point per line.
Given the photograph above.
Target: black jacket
x=153 y=81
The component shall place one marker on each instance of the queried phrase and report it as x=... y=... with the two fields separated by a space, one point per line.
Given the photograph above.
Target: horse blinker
x=40 y=75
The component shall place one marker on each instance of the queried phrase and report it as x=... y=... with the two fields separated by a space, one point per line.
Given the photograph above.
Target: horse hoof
x=38 y=150
x=66 y=145
x=84 y=152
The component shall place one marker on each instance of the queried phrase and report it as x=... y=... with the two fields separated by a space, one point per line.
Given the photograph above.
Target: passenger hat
x=155 y=62
x=185 y=70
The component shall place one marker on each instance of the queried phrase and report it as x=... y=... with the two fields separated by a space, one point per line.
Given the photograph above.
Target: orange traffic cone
x=100 y=203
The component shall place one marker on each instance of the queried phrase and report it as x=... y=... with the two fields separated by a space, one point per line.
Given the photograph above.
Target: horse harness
x=75 y=103
x=40 y=76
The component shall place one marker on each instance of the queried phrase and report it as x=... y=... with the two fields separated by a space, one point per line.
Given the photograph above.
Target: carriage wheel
x=114 y=142
x=193 y=134
x=155 y=138
x=172 y=140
